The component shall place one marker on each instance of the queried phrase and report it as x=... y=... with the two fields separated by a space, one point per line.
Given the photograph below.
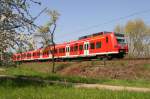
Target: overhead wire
x=107 y=22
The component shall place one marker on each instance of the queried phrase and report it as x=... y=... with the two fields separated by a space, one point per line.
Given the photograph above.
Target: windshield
x=119 y=35
x=120 y=38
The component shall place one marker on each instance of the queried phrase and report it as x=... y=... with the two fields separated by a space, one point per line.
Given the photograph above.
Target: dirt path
x=114 y=88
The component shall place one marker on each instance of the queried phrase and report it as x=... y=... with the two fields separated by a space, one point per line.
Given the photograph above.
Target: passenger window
x=63 y=50
x=98 y=44
x=60 y=50
x=55 y=51
x=38 y=54
x=46 y=52
x=92 y=46
x=75 y=48
x=81 y=47
x=106 y=39
x=71 y=49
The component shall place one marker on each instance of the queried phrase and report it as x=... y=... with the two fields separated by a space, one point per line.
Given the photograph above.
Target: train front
x=121 y=44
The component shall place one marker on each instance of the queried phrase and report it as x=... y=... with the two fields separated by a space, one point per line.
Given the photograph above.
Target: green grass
x=10 y=89
x=22 y=71
x=28 y=89
x=147 y=66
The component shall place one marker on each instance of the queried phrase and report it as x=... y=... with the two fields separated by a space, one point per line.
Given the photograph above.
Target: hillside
x=123 y=69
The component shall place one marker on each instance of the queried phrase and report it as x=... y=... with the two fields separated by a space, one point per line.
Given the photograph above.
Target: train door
x=67 y=51
x=86 y=48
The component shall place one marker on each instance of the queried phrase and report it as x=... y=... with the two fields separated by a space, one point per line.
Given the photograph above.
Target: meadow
x=30 y=90
x=33 y=89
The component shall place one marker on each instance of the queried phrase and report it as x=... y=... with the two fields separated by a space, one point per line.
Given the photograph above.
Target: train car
x=98 y=45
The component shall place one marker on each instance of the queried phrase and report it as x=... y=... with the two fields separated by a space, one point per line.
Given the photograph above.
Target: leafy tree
x=15 y=18
x=137 y=31
x=138 y=37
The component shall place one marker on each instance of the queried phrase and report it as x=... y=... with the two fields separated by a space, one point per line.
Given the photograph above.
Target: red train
x=98 y=45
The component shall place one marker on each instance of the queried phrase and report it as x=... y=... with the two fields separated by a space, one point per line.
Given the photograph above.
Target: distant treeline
x=138 y=37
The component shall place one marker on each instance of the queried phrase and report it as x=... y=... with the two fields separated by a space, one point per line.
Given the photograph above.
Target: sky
x=83 y=17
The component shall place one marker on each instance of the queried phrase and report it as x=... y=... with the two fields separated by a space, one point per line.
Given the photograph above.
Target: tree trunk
x=53 y=55
x=1 y=57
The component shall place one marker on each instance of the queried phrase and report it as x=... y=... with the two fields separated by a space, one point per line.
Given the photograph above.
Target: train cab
x=121 y=44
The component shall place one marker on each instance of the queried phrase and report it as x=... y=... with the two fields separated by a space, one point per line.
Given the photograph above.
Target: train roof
x=93 y=35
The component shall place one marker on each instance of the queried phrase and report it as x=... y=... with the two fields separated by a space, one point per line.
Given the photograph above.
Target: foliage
x=138 y=33
x=7 y=60
x=15 y=18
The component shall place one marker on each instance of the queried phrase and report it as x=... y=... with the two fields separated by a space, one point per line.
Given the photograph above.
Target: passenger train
x=104 y=45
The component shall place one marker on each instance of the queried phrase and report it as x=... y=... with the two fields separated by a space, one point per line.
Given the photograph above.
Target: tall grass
x=10 y=89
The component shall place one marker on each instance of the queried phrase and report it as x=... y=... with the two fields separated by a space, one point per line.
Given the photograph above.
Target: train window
x=92 y=46
x=60 y=51
x=45 y=53
x=18 y=56
x=24 y=55
x=106 y=39
x=50 y=51
x=55 y=51
x=63 y=50
x=38 y=54
x=34 y=54
x=28 y=55
x=121 y=40
x=75 y=48
x=119 y=34
x=71 y=49
x=98 y=44
x=80 y=47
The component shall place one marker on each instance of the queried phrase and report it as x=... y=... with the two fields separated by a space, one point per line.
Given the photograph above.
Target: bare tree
x=47 y=34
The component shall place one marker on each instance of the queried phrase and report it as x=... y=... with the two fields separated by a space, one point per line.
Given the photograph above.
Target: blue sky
x=78 y=15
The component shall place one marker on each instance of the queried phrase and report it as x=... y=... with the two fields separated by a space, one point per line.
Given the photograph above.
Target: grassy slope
x=23 y=70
